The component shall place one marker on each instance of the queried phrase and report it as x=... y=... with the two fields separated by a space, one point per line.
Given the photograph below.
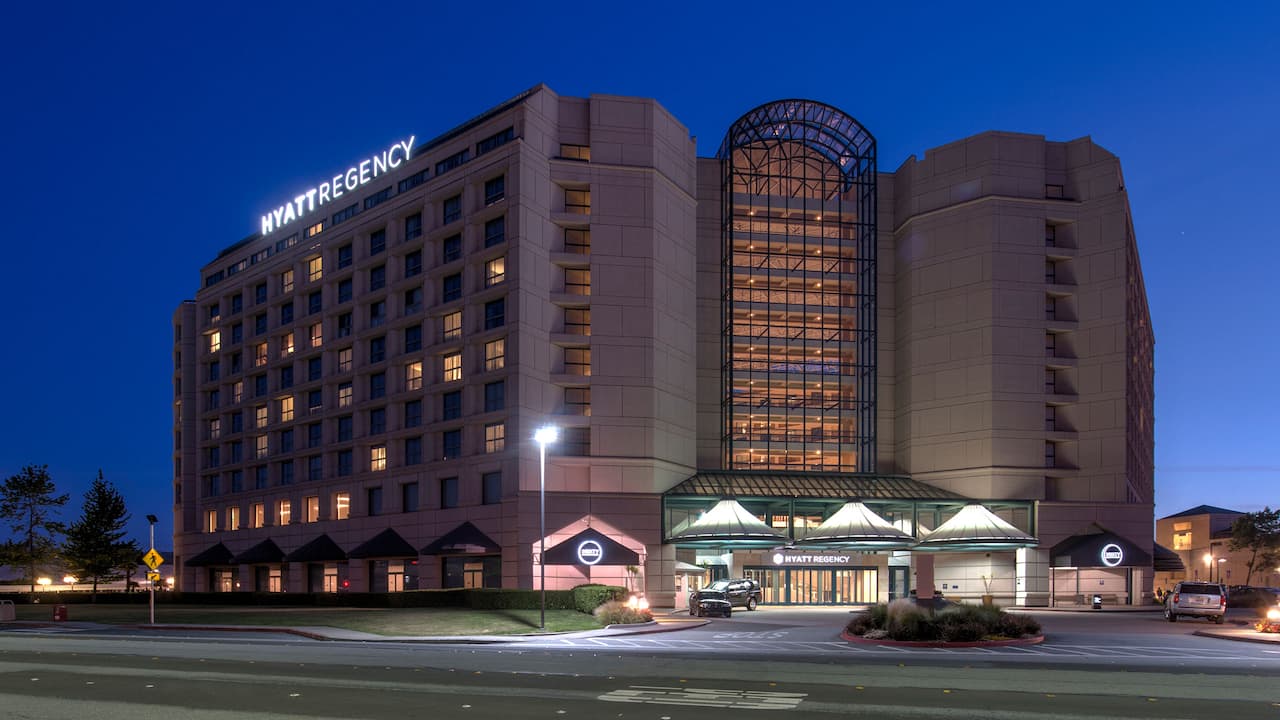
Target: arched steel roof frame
x=833 y=134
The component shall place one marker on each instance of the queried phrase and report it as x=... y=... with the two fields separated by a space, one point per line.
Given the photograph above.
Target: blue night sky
x=139 y=143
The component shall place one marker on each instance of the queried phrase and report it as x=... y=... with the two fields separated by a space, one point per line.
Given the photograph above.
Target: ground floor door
x=815 y=585
x=898 y=581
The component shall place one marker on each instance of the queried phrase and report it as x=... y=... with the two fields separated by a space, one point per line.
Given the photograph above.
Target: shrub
x=1016 y=626
x=964 y=630
x=614 y=612
x=586 y=598
x=905 y=620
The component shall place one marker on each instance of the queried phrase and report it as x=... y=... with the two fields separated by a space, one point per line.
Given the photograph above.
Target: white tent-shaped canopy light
x=727 y=521
x=855 y=526
x=975 y=528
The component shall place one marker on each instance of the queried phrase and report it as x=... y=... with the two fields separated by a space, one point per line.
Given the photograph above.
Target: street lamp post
x=151 y=519
x=543 y=436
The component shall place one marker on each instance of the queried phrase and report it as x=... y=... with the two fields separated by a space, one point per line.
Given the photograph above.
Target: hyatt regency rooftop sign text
x=331 y=190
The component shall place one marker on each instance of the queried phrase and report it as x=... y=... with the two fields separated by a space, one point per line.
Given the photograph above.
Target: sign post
x=153 y=560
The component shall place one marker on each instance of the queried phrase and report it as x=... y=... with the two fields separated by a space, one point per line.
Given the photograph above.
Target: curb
x=1035 y=640
x=1255 y=638
x=230 y=628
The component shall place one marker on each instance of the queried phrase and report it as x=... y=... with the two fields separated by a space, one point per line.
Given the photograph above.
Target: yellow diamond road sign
x=152 y=559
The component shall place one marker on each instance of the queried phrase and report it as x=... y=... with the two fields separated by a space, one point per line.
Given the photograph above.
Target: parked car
x=1245 y=596
x=742 y=592
x=1196 y=599
x=707 y=602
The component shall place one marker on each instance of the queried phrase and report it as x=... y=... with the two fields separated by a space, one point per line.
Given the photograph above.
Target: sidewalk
x=1241 y=634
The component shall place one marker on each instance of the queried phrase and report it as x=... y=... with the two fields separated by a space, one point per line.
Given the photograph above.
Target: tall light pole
x=151 y=519
x=543 y=436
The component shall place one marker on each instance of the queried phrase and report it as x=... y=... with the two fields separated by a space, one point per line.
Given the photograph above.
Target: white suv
x=1196 y=599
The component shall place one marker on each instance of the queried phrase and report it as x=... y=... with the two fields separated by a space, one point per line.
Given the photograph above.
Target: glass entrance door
x=815 y=585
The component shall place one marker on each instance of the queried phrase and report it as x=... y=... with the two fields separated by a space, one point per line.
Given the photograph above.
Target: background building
x=782 y=327
x=1201 y=538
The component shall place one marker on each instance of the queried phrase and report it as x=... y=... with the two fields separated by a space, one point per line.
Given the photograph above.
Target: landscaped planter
x=1032 y=640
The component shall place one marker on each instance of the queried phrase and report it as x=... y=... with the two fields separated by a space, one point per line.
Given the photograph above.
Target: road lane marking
x=705 y=697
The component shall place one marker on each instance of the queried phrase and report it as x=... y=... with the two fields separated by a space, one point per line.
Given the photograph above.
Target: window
x=260 y=416
x=577 y=281
x=449 y=492
x=378 y=198
x=313 y=231
x=491 y=488
x=260 y=477
x=260 y=447
x=495 y=313
x=286 y=441
x=286 y=377
x=495 y=437
x=495 y=189
x=316 y=335
x=495 y=231
x=260 y=354
x=373 y=501
x=451 y=444
x=237 y=421
x=259 y=385
x=314 y=403
x=315 y=435
x=1182 y=536
x=237 y=454
x=1050 y=418
x=413 y=451
x=495 y=271
x=237 y=333
x=1050 y=235
x=377 y=313
x=495 y=396
x=1053 y=191
x=413 y=413
x=344 y=395
x=451 y=405
x=495 y=354
x=1050 y=455
x=344 y=291
x=574 y=442
x=1050 y=345
x=577 y=401
x=286 y=282
x=215 y=341
x=413 y=226
x=345 y=465
x=452 y=210
x=413 y=338
x=315 y=369
x=1050 y=308
x=237 y=303
x=377 y=242
x=284 y=512
x=378 y=349
x=315 y=302
x=378 y=459
x=286 y=345
x=344 y=360
x=577 y=361
x=577 y=241
x=260 y=293
x=495 y=141
x=259 y=323
x=452 y=367
x=1050 y=272
x=286 y=408
x=377 y=421
x=413 y=300
x=215 y=429
x=378 y=277
x=315 y=269
x=344 y=256
x=213 y=400
x=211 y=488
x=345 y=428
x=257 y=515
x=377 y=385
x=311 y=509
x=342 y=506
x=413 y=375
x=1051 y=381
x=286 y=472
x=451 y=325
x=237 y=485
x=452 y=161
x=409 y=497
x=575 y=152
x=210 y=521
x=577 y=202
x=577 y=321
x=214 y=371
x=451 y=248
x=413 y=263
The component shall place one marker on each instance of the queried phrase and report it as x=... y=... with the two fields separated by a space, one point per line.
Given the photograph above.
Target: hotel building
x=776 y=362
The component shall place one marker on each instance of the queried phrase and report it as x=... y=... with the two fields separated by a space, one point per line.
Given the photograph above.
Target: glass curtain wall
x=799 y=290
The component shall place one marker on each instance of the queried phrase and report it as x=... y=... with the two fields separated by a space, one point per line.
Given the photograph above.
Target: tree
x=1258 y=532
x=27 y=501
x=96 y=549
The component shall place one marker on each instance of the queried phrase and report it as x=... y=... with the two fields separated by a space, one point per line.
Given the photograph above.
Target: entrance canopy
x=216 y=555
x=856 y=526
x=1165 y=560
x=1098 y=547
x=466 y=539
x=727 y=521
x=386 y=544
x=322 y=549
x=591 y=547
x=266 y=552
x=975 y=528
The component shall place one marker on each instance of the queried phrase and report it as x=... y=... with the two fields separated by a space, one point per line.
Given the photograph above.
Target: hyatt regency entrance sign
x=780 y=558
x=331 y=190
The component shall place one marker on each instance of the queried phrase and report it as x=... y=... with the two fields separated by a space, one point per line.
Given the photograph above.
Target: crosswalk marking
x=705 y=697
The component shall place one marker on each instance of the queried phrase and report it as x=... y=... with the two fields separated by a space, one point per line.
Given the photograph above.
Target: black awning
x=1166 y=560
x=216 y=555
x=818 y=485
x=591 y=547
x=1096 y=547
x=386 y=544
x=266 y=552
x=322 y=549
x=466 y=539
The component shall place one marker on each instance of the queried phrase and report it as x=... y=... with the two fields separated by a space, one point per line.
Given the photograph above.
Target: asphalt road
x=121 y=675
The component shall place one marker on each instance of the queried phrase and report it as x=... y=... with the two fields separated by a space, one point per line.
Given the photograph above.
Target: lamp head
x=152 y=519
x=546 y=434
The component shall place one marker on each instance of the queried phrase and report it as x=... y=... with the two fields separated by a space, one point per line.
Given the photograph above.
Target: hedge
x=586 y=598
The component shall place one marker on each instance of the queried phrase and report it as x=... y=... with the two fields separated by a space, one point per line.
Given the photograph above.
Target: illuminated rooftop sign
x=343 y=183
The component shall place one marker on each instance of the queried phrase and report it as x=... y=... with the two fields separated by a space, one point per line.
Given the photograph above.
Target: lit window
x=413 y=376
x=237 y=391
x=260 y=445
x=577 y=241
x=342 y=506
x=577 y=281
x=215 y=429
x=260 y=354
x=451 y=325
x=285 y=512
x=286 y=281
x=495 y=354
x=378 y=458
x=315 y=269
x=344 y=360
x=452 y=367
x=577 y=202
x=577 y=361
x=215 y=341
x=233 y=517
x=317 y=335
x=286 y=408
x=575 y=152
x=577 y=321
x=260 y=416
x=344 y=395
x=311 y=508
x=495 y=271
x=210 y=521
x=286 y=345
x=495 y=437
x=257 y=515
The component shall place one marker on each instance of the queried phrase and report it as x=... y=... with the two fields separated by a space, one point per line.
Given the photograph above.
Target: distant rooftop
x=1203 y=510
